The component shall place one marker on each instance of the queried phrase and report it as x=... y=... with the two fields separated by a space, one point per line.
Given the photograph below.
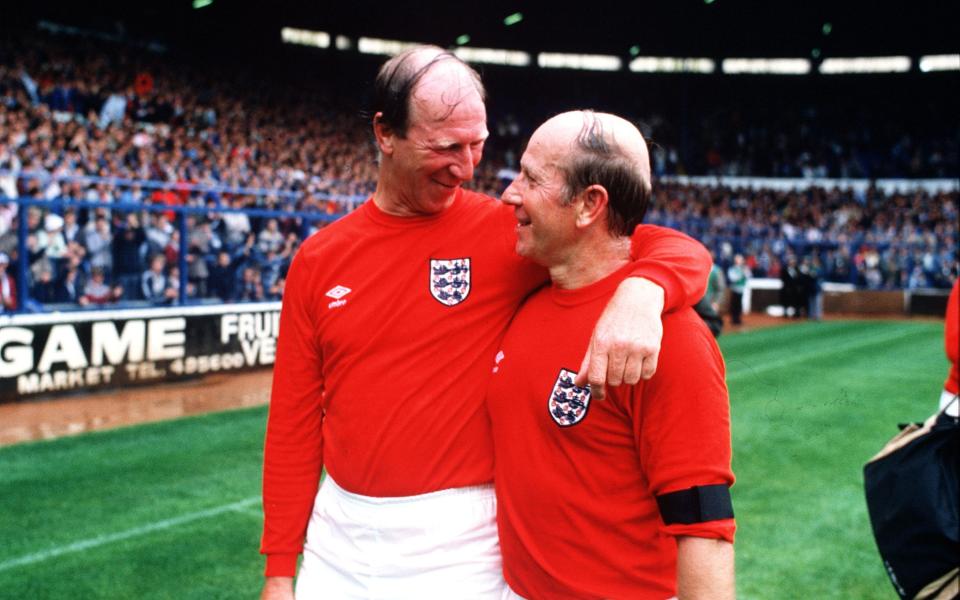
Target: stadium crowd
x=873 y=240
x=78 y=122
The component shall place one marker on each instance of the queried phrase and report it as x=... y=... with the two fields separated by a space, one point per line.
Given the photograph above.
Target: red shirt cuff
x=281 y=565
x=724 y=529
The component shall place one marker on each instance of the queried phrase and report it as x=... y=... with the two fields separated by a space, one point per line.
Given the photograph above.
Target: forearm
x=704 y=569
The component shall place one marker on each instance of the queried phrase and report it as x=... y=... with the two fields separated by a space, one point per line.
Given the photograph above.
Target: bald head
x=425 y=78
x=601 y=149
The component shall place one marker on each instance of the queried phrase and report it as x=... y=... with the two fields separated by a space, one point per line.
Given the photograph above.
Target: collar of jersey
x=598 y=289
x=373 y=212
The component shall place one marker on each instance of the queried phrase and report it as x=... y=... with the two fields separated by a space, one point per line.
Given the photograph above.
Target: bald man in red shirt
x=625 y=497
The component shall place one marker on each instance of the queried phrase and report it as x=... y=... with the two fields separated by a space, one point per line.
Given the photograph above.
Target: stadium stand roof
x=709 y=28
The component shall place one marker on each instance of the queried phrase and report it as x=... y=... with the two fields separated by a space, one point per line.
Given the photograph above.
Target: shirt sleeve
x=683 y=432
x=293 y=452
x=673 y=260
x=951 y=338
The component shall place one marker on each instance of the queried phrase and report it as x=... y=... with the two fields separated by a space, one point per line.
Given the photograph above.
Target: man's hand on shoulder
x=625 y=345
x=277 y=588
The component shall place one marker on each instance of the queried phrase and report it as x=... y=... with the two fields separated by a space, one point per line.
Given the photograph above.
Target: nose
x=510 y=195
x=464 y=164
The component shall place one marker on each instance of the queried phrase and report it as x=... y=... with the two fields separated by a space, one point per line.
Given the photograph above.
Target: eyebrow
x=530 y=172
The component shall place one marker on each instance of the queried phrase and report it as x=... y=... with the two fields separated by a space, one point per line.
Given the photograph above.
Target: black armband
x=696 y=505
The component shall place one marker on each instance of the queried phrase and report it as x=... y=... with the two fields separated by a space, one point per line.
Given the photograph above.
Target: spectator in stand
x=69 y=287
x=223 y=278
x=71 y=229
x=737 y=275
x=198 y=271
x=172 y=291
x=251 y=286
x=203 y=237
x=158 y=232
x=97 y=291
x=51 y=241
x=247 y=254
x=153 y=283
x=791 y=293
x=236 y=224
x=811 y=278
x=8 y=287
x=99 y=244
x=270 y=238
x=275 y=292
x=708 y=308
x=172 y=250
x=128 y=247
x=44 y=289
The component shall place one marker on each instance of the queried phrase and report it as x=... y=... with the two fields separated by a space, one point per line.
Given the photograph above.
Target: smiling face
x=545 y=222
x=421 y=171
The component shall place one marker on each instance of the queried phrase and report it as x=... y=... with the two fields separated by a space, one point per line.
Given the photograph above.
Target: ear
x=384 y=134
x=592 y=206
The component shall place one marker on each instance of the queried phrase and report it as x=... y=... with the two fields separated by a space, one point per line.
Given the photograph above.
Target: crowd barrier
x=763 y=295
x=21 y=265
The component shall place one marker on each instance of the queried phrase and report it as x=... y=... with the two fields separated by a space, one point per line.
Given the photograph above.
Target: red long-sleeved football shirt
x=386 y=332
x=578 y=480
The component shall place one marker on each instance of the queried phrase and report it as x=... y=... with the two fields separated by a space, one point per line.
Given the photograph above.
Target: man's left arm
x=704 y=569
x=670 y=271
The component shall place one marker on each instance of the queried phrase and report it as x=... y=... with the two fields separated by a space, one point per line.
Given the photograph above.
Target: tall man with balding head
x=621 y=498
x=388 y=320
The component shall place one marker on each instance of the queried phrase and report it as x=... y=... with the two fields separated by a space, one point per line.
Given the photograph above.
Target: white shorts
x=438 y=545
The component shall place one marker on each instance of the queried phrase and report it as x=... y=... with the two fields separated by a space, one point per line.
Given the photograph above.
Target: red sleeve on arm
x=683 y=431
x=951 y=338
x=293 y=454
x=674 y=261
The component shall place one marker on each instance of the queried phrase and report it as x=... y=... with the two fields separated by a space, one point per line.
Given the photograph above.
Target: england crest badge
x=450 y=280
x=568 y=402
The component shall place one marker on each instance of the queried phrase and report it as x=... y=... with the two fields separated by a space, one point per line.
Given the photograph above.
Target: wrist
x=650 y=292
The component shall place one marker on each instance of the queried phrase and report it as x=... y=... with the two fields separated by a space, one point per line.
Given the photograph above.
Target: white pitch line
x=101 y=540
x=742 y=370
x=250 y=512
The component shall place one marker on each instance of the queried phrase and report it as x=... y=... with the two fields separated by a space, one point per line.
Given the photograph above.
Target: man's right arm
x=704 y=569
x=277 y=588
x=293 y=450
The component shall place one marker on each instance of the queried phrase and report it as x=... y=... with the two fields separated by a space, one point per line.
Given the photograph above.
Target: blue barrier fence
x=177 y=187
x=60 y=204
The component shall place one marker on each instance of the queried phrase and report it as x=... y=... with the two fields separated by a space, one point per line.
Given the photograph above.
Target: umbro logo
x=337 y=293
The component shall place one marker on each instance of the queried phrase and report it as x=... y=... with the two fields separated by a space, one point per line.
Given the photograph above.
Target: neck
x=591 y=261
x=390 y=197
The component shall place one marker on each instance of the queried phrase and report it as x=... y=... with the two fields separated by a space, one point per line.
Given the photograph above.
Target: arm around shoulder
x=673 y=260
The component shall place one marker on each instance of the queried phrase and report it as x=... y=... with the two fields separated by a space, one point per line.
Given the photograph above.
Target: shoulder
x=343 y=230
x=475 y=204
x=687 y=344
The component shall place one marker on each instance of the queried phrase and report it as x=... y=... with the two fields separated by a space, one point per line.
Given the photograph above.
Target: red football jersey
x=578 y=481
x=382 y=361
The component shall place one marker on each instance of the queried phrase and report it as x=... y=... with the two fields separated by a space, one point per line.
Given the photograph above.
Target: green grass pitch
x=171 y=510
